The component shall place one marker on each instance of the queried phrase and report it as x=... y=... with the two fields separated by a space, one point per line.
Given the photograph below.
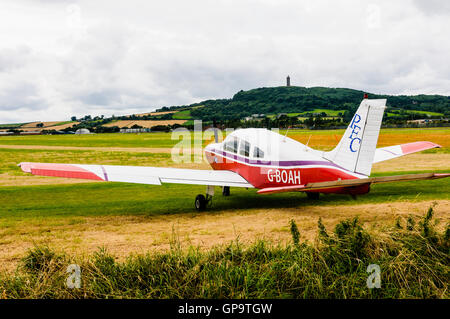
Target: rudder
x=356 y=149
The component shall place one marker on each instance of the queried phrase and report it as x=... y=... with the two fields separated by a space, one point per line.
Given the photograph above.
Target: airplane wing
x=351 y=182
x=138 y=174
x=390 y=152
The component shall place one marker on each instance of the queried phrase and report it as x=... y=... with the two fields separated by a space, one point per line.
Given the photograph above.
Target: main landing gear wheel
x=313 y=196
x=226 y=191
x=200 y=202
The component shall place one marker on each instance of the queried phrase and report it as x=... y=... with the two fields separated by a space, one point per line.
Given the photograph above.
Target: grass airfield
x=78 y=217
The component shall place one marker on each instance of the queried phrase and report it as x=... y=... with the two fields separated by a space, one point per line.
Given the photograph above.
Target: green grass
x=9 y=158
x=62 y=123
x=412 y=256
x=13 y=125
x=182 y=115
x=426 y=113
x=94 y=140
x=328 y=112
x=100 y=199
x=417 y=112
x=164 y=139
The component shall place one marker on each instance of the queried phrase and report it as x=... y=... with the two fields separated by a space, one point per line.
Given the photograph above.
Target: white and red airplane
x=270 y=162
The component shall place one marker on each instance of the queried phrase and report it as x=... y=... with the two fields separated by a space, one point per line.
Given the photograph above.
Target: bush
x=414 y=263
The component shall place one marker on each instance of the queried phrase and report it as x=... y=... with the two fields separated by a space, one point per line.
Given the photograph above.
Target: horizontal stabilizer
x=351 y=183
x=390 y=152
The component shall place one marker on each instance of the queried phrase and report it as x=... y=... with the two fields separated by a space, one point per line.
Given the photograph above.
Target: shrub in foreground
x=414 y=263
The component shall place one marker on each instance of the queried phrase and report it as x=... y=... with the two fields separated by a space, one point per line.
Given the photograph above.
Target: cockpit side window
x=232 y=145
x=244 y=148
x=258 y=153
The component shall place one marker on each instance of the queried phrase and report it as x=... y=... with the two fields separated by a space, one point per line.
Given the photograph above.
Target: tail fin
x=356 y=149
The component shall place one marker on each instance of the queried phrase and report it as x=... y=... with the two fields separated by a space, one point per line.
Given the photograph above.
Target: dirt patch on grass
x=47 y=126
x=33 y=124
x=28 y=180
x=124 y=235
x=156 y=113
x=414 y=162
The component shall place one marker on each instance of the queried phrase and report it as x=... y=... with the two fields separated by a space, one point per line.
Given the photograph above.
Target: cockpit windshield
x=231 y=145
x=244 y=148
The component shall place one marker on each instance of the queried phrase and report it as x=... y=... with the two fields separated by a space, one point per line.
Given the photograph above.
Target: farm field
x=143 y=123
x=27 y=127
x=77 y=217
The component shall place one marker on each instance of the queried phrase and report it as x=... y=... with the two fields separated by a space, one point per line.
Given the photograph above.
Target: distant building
x=288 y=81
x=426 y=121
x=82 y=131
x=135 y=130
x=255 y=117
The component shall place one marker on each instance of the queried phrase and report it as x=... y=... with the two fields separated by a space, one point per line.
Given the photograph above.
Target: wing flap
x=352 y=182
x=138 y=174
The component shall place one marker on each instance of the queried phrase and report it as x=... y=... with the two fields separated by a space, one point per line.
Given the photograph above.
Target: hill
x=293 y=106
x=295 y=99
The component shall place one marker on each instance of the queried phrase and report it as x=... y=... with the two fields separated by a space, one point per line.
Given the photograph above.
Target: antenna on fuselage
x=306 y=148
x=216 y=133
x=286 y=133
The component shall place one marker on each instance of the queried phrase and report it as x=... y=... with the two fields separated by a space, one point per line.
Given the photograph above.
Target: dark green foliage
x=275 y=100
x=40 y=259
x=412 y=266
x=295 y=233
x=323 y=235
x=427 y=230
x=398 y=224
x=343 y=251
x=410 y=223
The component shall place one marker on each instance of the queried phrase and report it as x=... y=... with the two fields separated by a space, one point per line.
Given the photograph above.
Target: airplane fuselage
x=307 y=166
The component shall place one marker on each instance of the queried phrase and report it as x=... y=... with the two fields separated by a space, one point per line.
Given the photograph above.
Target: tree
x=73 y=118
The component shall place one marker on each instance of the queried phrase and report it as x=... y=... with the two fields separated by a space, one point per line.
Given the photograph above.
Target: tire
x=226 y=191
x=200 y=202
x=313 y=196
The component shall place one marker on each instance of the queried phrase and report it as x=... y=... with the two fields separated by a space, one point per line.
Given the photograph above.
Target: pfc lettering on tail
x=354 y=134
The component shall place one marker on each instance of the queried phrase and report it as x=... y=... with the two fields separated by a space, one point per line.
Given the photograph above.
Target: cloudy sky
x=65 y=58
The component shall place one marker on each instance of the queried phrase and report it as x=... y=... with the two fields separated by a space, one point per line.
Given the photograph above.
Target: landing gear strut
x=313 y=196
x=201 y=201
x=226 y=190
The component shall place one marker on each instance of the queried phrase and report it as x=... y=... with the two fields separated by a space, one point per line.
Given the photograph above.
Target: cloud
x=433 y=7
x=59 y=59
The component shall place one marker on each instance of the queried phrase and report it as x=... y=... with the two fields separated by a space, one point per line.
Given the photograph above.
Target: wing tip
x=25 y=166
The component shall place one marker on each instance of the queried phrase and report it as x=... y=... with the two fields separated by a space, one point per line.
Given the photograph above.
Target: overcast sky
x=65 y=58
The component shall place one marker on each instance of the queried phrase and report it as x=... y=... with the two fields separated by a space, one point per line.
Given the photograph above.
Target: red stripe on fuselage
x=266 y=176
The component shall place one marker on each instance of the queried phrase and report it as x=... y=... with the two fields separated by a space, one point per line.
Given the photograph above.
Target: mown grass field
x=77 y=217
